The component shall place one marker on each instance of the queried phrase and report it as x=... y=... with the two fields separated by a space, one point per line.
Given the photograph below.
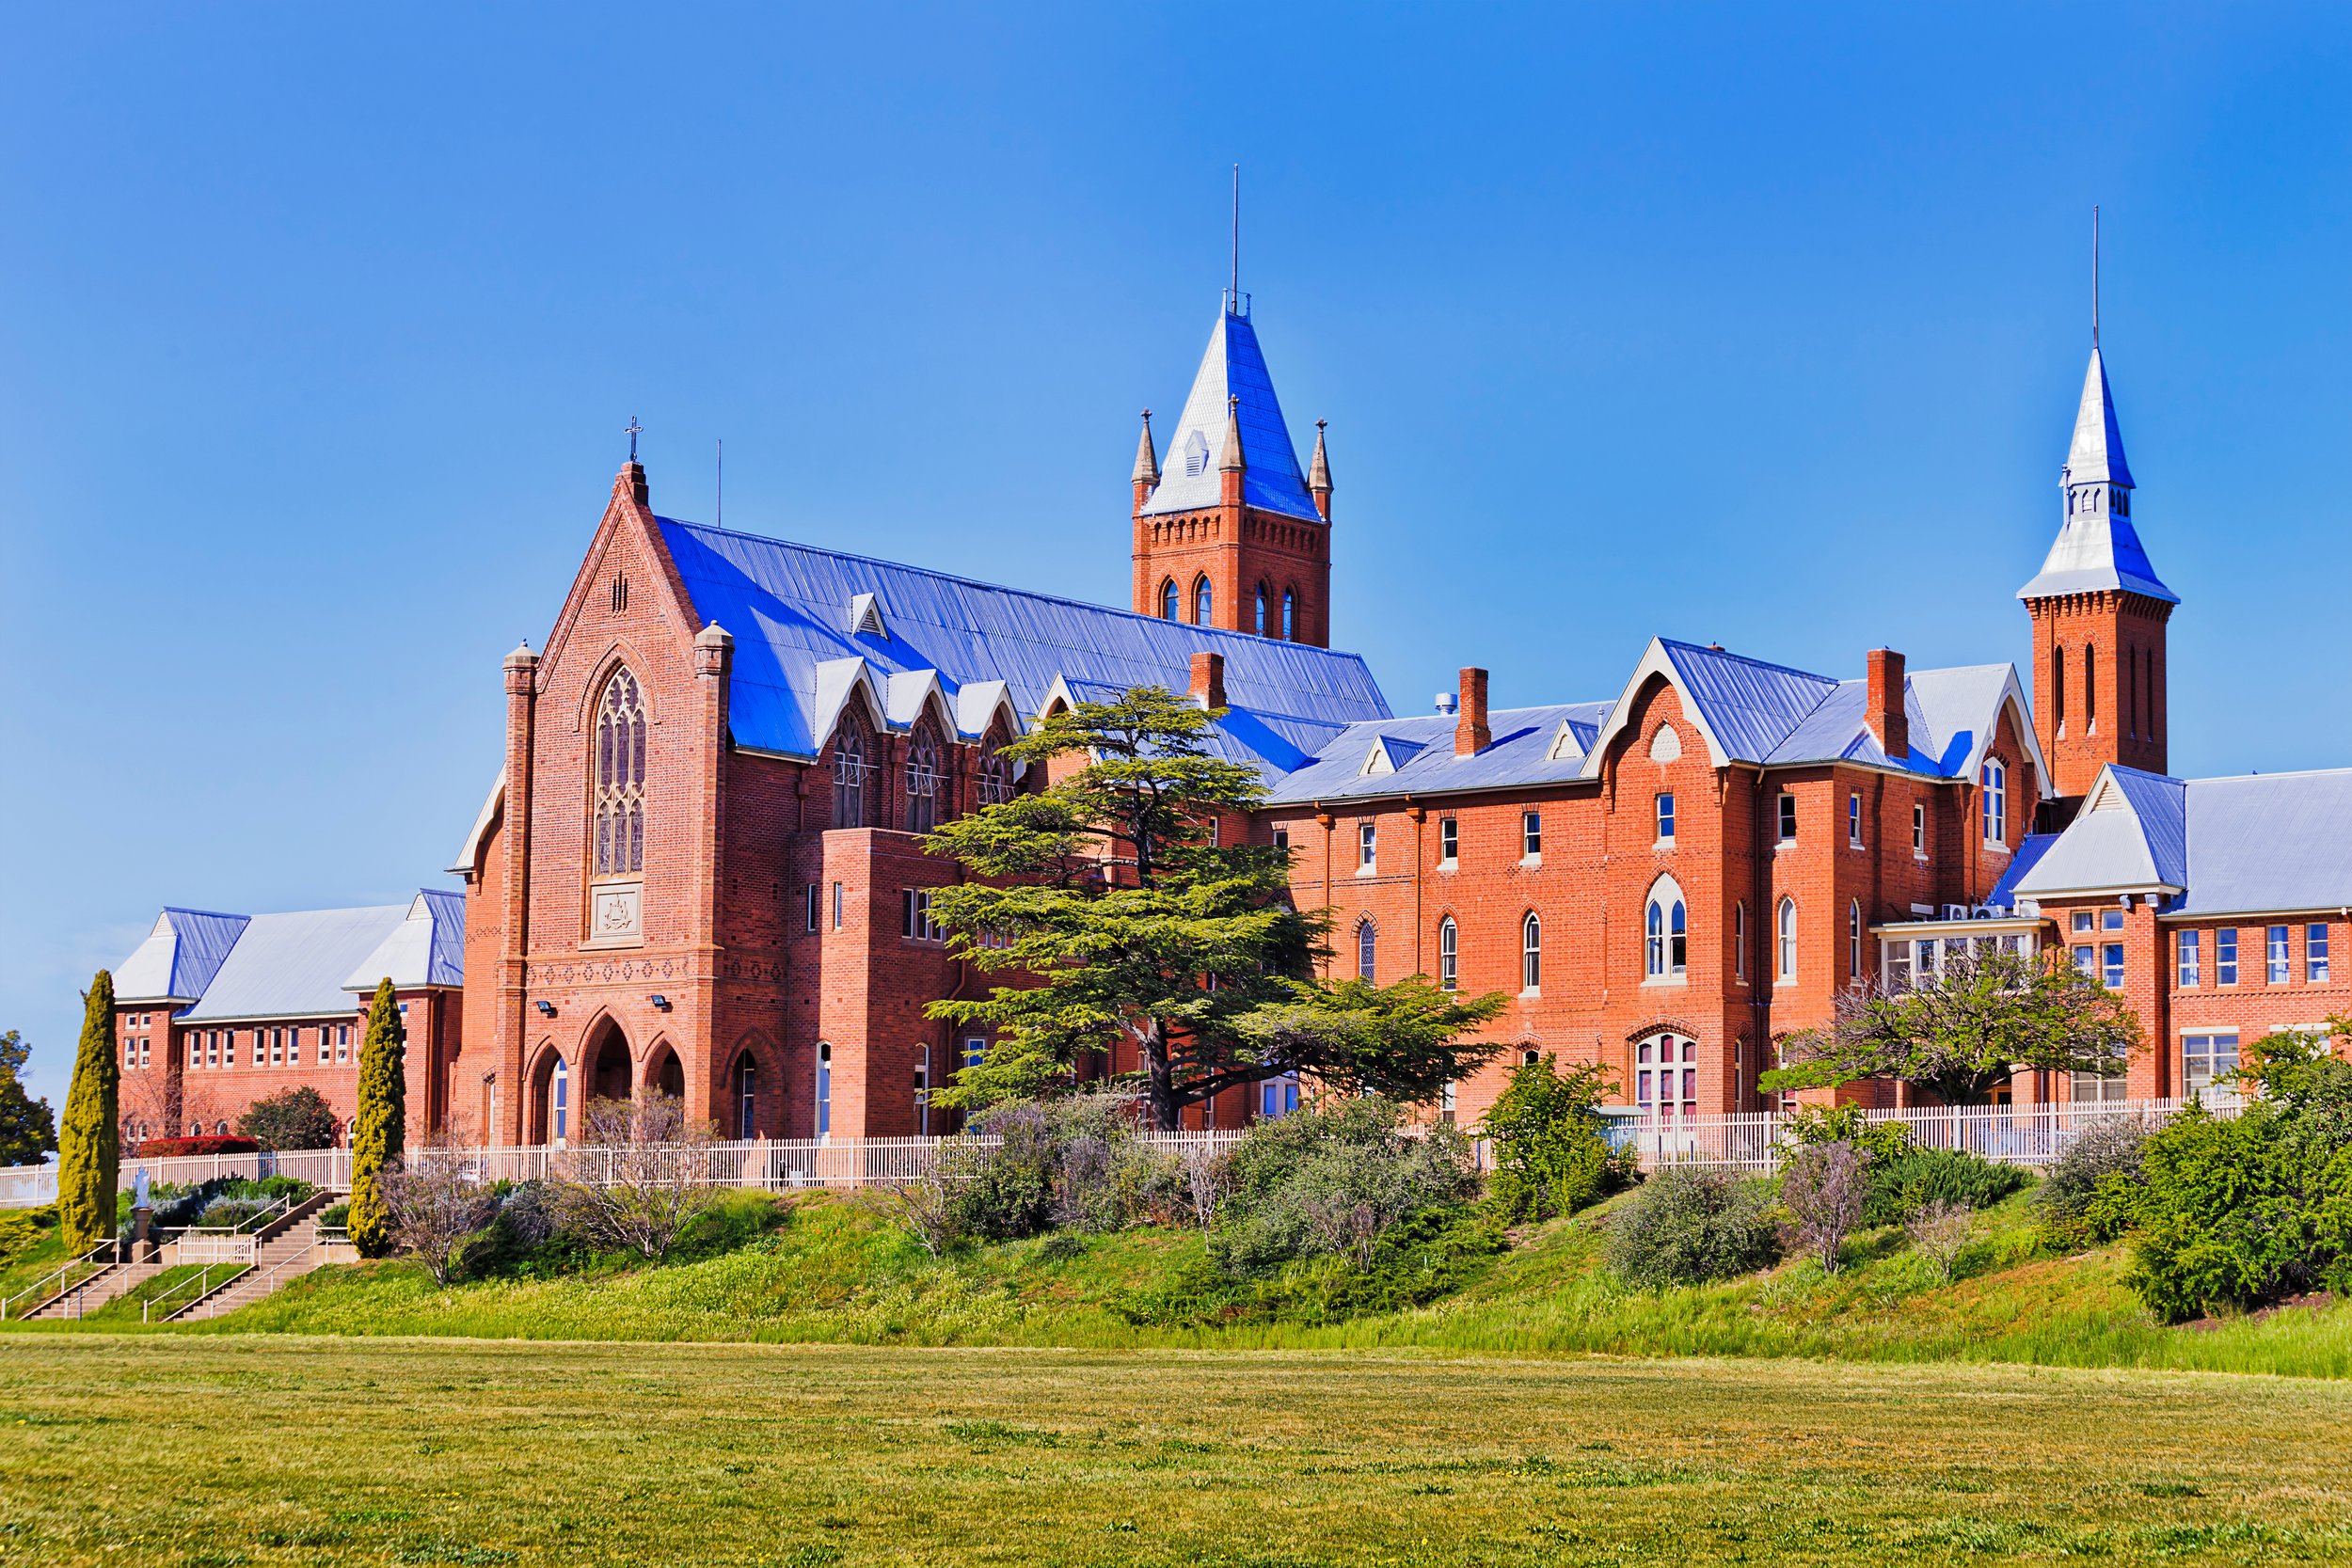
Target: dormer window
x=1196 y=455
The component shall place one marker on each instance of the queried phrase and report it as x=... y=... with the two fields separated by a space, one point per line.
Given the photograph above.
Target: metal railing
x=199 y=1279
x=59 y=1280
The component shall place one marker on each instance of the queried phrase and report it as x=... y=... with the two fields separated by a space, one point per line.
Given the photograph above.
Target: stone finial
x=1231 y=460
x=1147 y=460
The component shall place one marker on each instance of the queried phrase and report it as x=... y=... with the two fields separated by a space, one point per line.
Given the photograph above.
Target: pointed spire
x=1147 y=461
x=2096 y=455
x=1232 y=368
x=1228 y=458
x=1319 y=467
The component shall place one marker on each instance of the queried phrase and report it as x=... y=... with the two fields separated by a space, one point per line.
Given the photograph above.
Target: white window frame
x=1993 y=807
x=1449 y=954
x=1785 y=941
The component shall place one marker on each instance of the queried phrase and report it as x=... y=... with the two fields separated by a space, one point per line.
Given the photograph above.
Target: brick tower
x=1231 y=533
x=2099 y=614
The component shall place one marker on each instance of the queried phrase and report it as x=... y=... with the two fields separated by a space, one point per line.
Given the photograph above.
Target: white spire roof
x=2096 y=456
x=2097 y=549
x=1232 y=368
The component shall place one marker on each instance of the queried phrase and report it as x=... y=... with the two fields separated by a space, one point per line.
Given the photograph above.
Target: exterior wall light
x=661 y=1002
x=547 y=1009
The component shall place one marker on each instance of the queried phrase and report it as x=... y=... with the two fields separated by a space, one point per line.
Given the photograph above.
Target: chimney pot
x=1208 y=678
x=1889 y=721
x=1470 y=734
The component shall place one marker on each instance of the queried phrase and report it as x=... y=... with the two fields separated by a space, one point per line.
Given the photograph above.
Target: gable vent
x=1196 y=455
x=866 y=619
x=620 y=592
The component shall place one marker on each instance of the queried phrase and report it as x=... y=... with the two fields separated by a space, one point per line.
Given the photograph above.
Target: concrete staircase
x=287 y=1250
x=86 y=1295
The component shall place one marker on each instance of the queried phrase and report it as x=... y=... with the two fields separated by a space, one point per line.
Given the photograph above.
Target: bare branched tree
x=1823 y=1187
x=437 y=1204
x=925 y=1207
x=1939 y=1230
x=1207 y=1179
x=639 y=1174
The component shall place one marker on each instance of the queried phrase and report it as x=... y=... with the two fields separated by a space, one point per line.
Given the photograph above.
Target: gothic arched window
x=996 y=774
x=923 y=783
x=849 y=773
x=620 y=804
x=1262 y=609
x=1367 y=949
x=1290 y=614
x=1203 y=603
x=1665 y=932
x=1168 y=600
x=1531 y=953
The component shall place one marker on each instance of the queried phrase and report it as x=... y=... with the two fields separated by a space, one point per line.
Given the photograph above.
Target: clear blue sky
x=1764 y=325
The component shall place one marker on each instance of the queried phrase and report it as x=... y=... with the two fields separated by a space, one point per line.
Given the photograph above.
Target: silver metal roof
x=796 y=661
x=1232 y=368
x=180 y=956
x=307 y=962
x=2095 y=456
x=1419 y=752
x=2240 y=845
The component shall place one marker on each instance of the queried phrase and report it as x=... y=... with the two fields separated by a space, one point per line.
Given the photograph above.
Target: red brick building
x=700 y=870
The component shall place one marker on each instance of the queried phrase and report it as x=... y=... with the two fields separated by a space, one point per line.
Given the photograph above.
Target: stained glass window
x=620 y=824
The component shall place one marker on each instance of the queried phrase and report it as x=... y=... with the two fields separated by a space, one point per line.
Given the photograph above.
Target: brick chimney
x=1470 y=734
x=1208 y=679
x=1888 y=719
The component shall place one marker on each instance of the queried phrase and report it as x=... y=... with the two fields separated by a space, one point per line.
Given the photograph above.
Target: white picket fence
x=2033 y=1134
x=1751 y=1141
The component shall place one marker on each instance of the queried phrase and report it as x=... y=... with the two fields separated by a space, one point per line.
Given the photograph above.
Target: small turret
x=1319 y=475
x=1147 y=474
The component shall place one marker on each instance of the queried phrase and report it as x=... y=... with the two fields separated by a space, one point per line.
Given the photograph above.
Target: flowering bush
x=161 y=1148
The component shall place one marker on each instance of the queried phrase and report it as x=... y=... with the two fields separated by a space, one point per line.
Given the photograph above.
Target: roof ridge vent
x=866 y=617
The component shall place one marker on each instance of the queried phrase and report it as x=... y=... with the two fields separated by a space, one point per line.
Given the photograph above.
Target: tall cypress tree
x=89 y=1147
x=378 y=1130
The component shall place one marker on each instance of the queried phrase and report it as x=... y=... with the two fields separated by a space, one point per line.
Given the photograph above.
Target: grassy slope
x=221 y=1451
x=834 y=1274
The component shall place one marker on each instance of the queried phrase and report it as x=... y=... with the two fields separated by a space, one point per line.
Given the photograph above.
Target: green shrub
x=23 y=1229
x=1431 y=1255
x=2239 y=1212
x=2090 y=1194
x=172 y=1208
x=298 y=1117
x=1811 y=1126
x=1319 y=1184
x=1551 y=1152
x=335 y=1215
x=1908 y=1183
x=1685 y=1226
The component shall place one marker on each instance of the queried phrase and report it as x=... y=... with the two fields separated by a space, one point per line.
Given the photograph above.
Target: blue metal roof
x=2131 y=833
x=181 y=953
x=787 y=607
x=1417 y=754
x=1271 y=479
x=2029 y=852
x=1751 y=707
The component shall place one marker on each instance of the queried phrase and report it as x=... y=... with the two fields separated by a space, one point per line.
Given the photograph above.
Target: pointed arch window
x=746 y=1097
x=2091 y=688
x=620 y=804
x=850 y=770
x=1262 y=609
x=1665 y=932
x=1532 y=953
x=1449 y=954
x=1169 y=611
x=1203 y=602
x=1290 y=614
x=995 y=773
x=1367 y=950
x=923 y=782
x=1786 y=923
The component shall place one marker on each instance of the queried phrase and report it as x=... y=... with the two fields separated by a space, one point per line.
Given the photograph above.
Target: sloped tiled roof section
x=1234 y=368
x=787 y=607
x=180 y=956
x=296 y=964
x=2269 y=841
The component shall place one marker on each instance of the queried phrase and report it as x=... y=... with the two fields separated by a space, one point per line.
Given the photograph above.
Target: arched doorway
x=550 y=1100
x=607 y=1070
x=663 y=1075
x=743 y=1098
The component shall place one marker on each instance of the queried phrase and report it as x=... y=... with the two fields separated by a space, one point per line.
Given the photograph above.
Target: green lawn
x=834 y=1272
x=209 y=1450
